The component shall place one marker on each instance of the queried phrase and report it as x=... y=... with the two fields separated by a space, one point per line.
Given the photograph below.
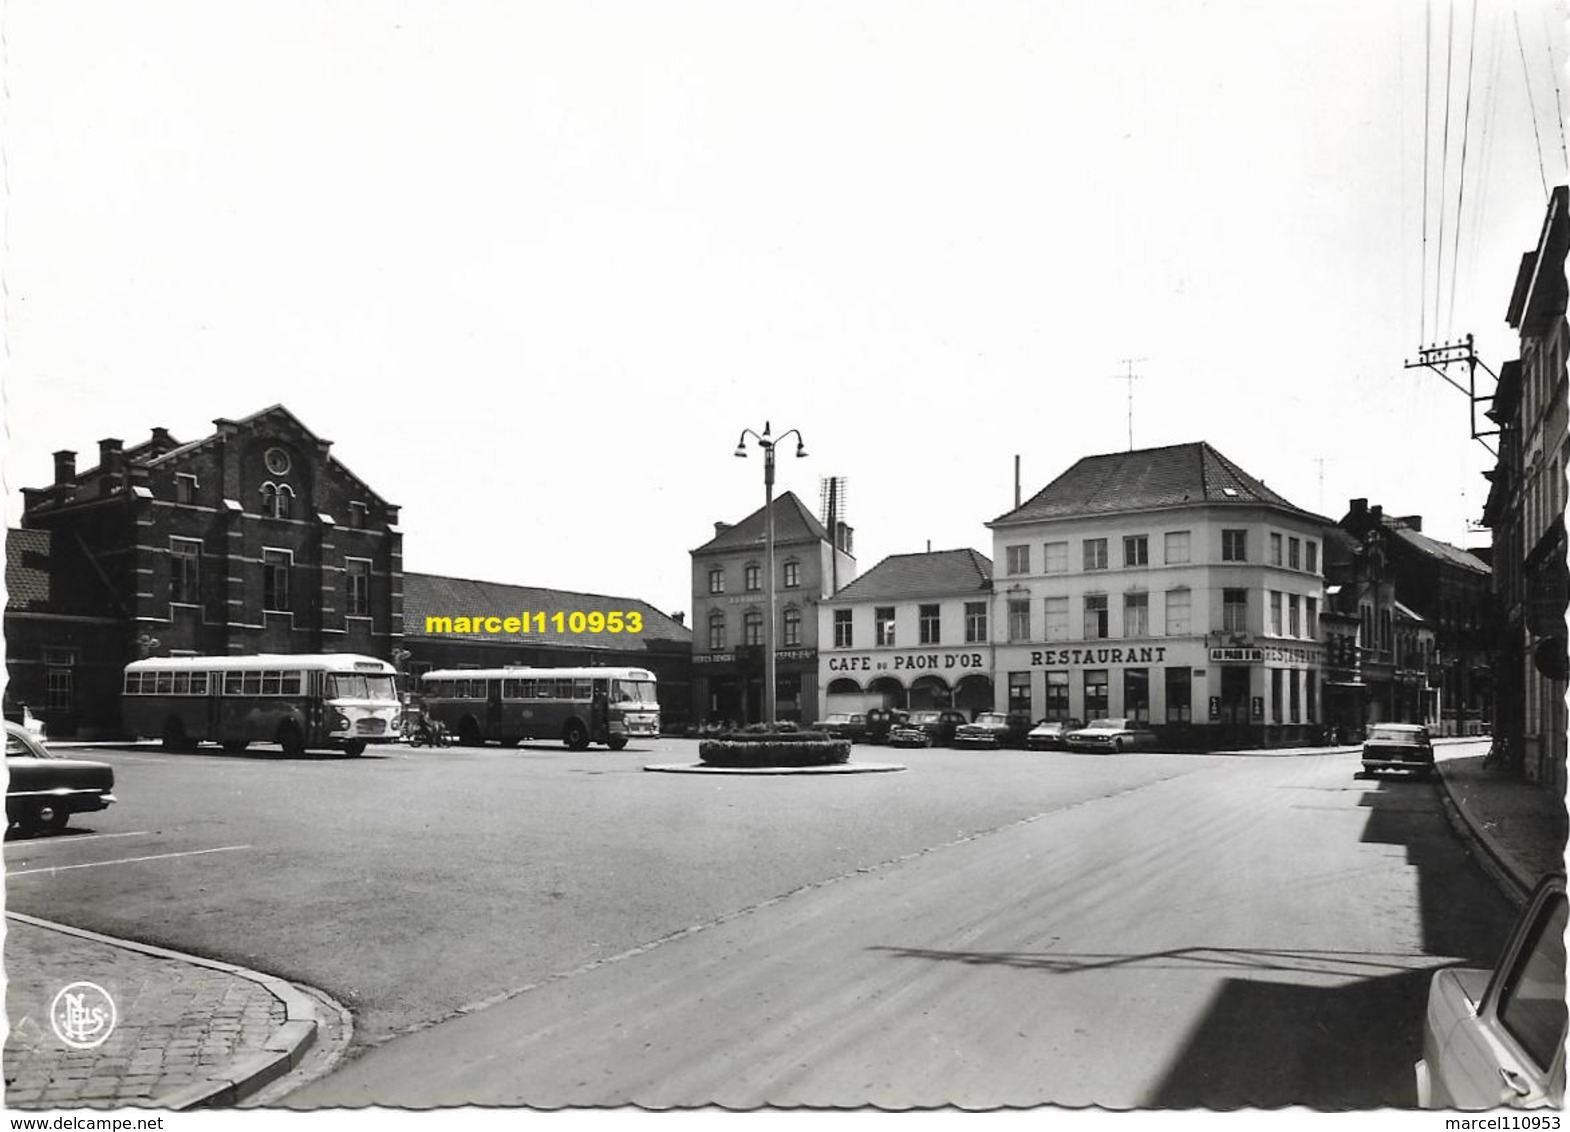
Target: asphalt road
x=548 y=928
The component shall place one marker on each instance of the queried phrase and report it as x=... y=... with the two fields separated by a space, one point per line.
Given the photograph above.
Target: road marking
x=70 y=839
x=125 y=860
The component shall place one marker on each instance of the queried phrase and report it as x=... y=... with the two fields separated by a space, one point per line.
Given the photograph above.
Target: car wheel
x=53 y=818
x=1117 y=746
x=576 y=736
x=616 y=742
x=354 y=748
x=290 y=739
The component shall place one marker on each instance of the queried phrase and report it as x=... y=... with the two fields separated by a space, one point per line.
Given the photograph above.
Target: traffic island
x=779 y=750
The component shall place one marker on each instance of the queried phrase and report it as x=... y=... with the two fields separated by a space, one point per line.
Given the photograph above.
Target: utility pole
x=1439 y=359
x=1131 y=377
x=1321 y=461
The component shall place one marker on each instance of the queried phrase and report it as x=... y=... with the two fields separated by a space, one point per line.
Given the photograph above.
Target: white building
x=1167 y=585
x=915 y=631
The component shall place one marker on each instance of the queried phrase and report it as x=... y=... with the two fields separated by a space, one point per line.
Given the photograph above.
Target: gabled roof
x=434 y=595
x=1147 y=479
x=792 y=523
x=935 y=573
x=1436 y=549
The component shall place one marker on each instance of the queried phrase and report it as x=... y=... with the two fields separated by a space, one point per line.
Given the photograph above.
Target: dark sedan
x=1398 y=746
x=845 y=725
x=939 y=725
x=994 y=729
x=45 y=789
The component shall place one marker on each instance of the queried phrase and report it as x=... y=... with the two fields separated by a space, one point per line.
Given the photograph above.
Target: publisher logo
x=83 y=1015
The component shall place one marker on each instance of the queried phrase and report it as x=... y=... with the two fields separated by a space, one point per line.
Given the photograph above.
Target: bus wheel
x=234 y=746
x=469 y=733
x=290 y=739
x=576 y=736
x=174 y=735
x=616 y=742
x=354 y=748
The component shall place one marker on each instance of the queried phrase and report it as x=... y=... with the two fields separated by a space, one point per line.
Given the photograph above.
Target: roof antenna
x=1131 y=377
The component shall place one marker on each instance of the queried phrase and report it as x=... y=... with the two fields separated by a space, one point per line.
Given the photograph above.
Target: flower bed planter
x=774 y=748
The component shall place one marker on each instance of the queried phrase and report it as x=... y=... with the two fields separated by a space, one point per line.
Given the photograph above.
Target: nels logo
x=83 y=1015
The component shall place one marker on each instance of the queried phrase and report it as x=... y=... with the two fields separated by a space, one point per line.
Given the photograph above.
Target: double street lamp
x=767 y=443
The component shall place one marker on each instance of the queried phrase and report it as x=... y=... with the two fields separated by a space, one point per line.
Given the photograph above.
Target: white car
x=1497 y=1037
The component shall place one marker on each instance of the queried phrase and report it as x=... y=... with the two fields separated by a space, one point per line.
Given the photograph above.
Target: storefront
x=929 y=678
x=729 y=685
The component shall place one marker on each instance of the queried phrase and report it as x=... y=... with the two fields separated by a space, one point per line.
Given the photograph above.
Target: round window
x=277 y=461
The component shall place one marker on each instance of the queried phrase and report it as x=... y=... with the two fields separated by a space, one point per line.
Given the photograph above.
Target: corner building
x=1166 y=585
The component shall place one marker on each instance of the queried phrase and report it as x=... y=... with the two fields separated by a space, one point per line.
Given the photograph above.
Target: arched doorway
x=930 y=692
x=973 y=694
x=843 y=694
x=889 y=690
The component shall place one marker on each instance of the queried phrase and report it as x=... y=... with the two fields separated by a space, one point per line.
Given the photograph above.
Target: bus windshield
x=357 y=686
x=634 y=692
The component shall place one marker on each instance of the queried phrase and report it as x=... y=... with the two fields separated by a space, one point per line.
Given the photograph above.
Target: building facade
x=255 y=539
x=1525 y=511
x=1165 y=585
x=914 y=632
x=729 y=609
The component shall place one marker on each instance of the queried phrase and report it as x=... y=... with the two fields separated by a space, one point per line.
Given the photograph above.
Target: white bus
x=579 y=706
x=331 y=701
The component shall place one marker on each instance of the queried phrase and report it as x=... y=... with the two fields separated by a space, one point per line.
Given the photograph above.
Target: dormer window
x=184 y=488
x=357 y=515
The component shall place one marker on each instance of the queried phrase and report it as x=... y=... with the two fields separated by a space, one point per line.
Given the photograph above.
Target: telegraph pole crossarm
x=1438 y=358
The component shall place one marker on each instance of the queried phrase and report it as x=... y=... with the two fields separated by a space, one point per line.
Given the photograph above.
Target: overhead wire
x=1553 y=69
x=1428 y=71
x=1466 y=129
x=1531 y=102
x=1444 y=165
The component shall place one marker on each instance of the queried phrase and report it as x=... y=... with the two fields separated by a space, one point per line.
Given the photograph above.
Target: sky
x=533 y=267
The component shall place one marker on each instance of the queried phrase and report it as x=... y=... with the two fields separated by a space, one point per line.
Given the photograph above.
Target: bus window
x=251 y=685
x=198 y=683
x=165 y=683
x=233 y=682
x=133 y=683
x=270 y=683
x=291 y=684
x=380 y=688
x=635 y=691
x=182 y=683
x=581 y=689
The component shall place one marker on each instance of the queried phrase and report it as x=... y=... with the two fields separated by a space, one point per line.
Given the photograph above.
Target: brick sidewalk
x=180 y=1025
x=1518 y=825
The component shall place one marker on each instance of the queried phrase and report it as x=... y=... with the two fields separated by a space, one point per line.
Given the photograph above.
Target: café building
x=1166 y=585
x=913 y=632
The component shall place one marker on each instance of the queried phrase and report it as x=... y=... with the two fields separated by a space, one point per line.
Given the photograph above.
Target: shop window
x=1019 y=691
x=1057 y=706
x=1136 y=694
x=1095 y=693
x=1180 y=690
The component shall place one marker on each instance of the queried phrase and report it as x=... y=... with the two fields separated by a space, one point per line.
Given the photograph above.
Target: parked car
x=939 y=725
x=1398 y=746
x=1049 y=734
x=880 y=721
x=994 y=729
x=1114 y=735
x=845 y=725
x=45 y=789
x=18 y=712
x=908 y=734
x=1497 y=1037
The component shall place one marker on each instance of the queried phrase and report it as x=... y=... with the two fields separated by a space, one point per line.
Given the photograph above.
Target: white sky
x=533 y=267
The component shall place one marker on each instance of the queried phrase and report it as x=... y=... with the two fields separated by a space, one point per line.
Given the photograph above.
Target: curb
x=227 y=1085
x=1495 y=859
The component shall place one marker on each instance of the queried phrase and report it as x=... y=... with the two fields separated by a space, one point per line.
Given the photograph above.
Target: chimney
x=111 y=453
x=161 y=437
x=680 y=617
x=1376 y=515
x=1359 y=506
x=721 y=528
x=1411 y=522
x=65 y=466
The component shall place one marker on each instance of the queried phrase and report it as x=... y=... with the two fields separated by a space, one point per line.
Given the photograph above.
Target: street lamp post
x=767 y=443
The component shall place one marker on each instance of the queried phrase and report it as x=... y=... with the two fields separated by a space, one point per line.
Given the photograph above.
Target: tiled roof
x=48 y=575
x=1147 y=479
x=1436 y=549
x=433 y=595
x=792 y=523
x=937 y=573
